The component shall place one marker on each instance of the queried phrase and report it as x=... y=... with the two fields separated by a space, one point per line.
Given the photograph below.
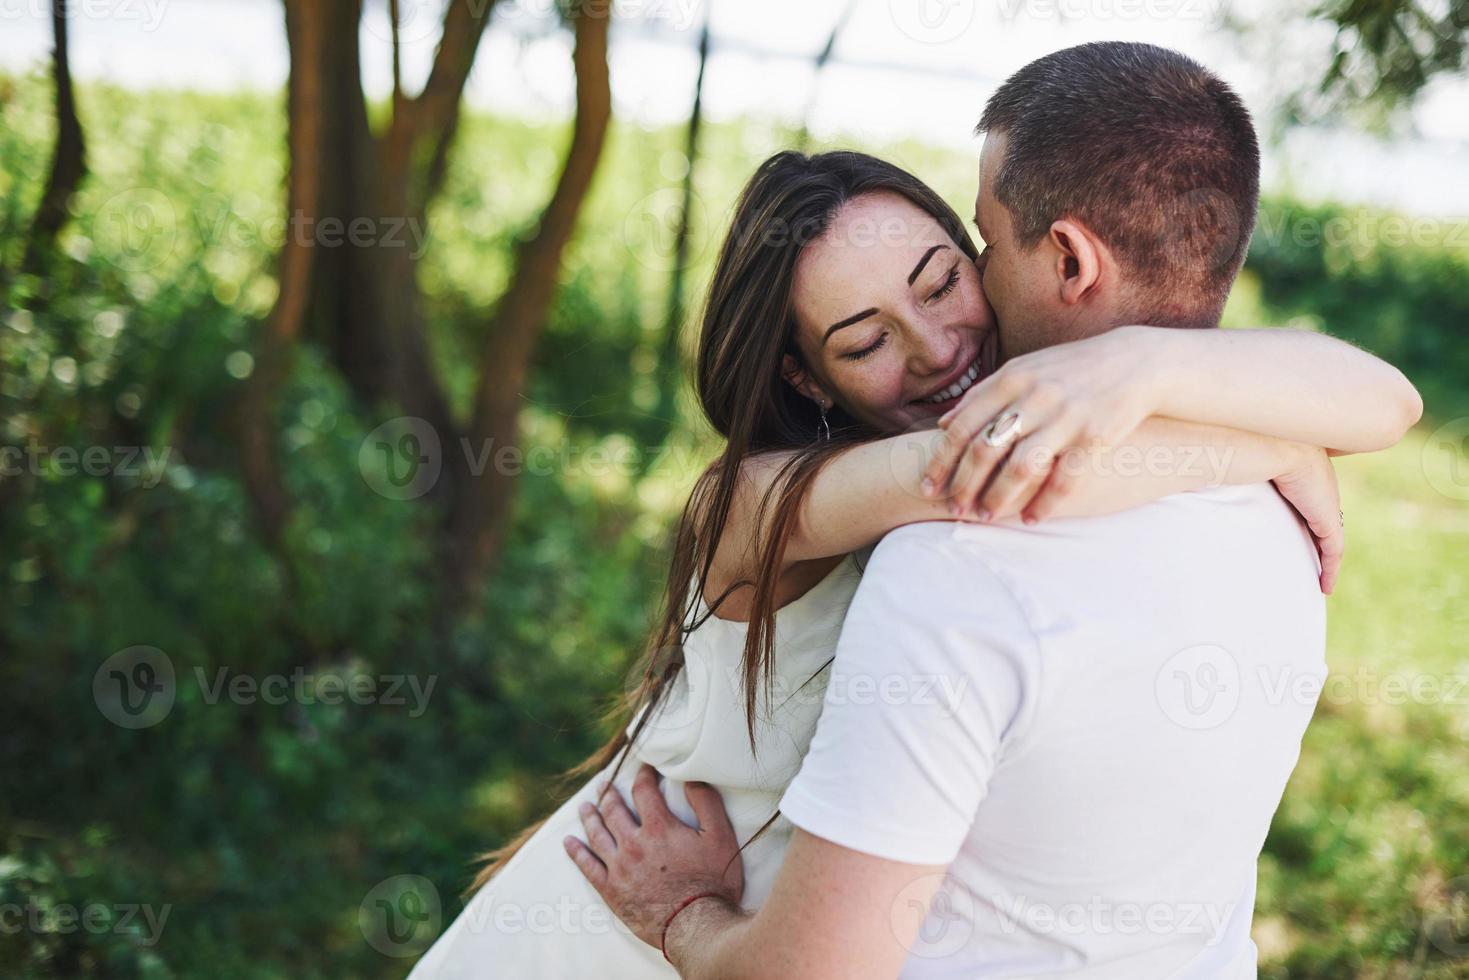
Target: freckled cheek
x=877 y=390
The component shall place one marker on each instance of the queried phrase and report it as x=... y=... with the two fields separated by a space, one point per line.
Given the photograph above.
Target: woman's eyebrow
x=848 y=322
x=923 y=262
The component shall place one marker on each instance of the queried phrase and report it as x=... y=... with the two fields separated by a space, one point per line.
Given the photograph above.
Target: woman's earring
x=824 y=431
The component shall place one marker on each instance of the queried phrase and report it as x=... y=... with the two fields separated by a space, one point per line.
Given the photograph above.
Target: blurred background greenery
x=262 y=830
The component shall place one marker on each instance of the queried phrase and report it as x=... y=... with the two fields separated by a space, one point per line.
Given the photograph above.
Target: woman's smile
x=946 y=394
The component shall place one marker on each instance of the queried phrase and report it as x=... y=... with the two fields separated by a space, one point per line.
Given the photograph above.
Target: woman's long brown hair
x=748 y=328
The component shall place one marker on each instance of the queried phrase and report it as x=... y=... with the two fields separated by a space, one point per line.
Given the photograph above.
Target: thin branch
x=393 y=22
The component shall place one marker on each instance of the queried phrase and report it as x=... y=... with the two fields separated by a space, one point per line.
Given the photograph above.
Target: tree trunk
x=309 y=30
x=478 y=523
x=357 y=298
x=68 y=162
x=670 y=351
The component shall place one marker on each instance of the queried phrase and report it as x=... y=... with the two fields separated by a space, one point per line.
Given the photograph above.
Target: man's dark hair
x=1147 y=148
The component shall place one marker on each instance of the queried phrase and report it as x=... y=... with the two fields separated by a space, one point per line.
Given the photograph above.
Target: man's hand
x=645 y=870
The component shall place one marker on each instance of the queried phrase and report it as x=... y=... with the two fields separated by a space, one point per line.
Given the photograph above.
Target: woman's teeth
x=957 y=388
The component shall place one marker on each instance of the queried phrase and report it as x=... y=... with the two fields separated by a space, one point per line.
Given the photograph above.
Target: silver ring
x=1001 y=430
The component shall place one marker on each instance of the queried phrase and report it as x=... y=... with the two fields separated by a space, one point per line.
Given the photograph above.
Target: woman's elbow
x=1402 y=408
x=1410 y=405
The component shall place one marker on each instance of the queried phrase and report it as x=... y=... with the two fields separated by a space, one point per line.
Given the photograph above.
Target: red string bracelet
x=663 y=940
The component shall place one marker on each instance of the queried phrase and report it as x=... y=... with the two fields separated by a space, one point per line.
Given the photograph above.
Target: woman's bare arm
x=872 y=488
x=1298 y=386
x=1294 y=384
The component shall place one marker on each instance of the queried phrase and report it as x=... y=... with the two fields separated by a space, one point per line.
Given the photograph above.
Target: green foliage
x=264 y=827
x=1390 y=50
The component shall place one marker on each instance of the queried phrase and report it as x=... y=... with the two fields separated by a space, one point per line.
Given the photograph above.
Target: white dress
x=539 y=918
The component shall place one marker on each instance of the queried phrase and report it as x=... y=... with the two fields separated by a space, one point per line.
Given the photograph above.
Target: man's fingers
x=708 y=806
x=601 y=841
x=652 y=807
x=588 y=863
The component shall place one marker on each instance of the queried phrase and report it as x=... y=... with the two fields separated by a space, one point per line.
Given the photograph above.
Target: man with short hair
x=1116 y=703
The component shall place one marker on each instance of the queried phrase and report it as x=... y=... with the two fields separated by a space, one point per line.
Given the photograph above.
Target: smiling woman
x=922 y=338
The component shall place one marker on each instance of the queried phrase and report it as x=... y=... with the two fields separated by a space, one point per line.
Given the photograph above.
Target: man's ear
x=1079 y=260
x=799 y=378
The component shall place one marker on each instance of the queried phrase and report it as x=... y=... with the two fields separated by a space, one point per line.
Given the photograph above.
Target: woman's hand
x=1074 y=396
x=646 y=870
x=1311 y=489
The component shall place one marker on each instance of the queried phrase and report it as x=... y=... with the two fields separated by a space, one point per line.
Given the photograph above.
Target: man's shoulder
x=933 y=566
x=1237 y=527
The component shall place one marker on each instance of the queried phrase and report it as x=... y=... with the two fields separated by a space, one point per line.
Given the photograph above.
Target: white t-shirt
x=1090 y=722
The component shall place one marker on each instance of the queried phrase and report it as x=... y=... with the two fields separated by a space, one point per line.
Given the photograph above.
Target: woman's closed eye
x=867 y=351
x=948 y=286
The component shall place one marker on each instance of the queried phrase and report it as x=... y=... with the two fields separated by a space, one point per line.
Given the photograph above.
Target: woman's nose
x=933 y=353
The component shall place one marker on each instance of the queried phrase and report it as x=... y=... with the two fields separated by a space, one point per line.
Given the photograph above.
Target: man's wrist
x=696 y=924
